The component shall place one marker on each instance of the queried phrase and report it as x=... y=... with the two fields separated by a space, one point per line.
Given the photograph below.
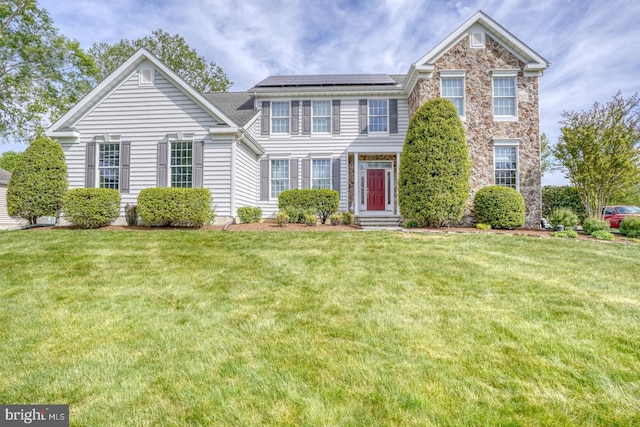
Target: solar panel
x=327 y=80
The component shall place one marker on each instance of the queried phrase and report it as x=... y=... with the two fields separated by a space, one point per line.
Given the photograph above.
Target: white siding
x=5 y=220
x=217 y=174
x=246 y=177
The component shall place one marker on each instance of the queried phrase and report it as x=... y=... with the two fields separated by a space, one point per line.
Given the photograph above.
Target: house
x=144 y=126
x=6 y=222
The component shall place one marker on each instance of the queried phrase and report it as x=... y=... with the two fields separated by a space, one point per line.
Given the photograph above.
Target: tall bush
x=180 y=207
x=298 y=202
x=91 y=207
x=500 y=207
x=434 y=167
x=38 y=181
x=564 y=196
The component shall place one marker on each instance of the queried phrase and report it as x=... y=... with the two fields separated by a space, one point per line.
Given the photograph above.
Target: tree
x=599 y=149
x=42 y=73
x=38 y=182
x=8 y=160
x=548 y=162
x=434 y=167
x=171 y=50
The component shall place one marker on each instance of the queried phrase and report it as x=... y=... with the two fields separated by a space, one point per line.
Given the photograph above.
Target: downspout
x=233 y=178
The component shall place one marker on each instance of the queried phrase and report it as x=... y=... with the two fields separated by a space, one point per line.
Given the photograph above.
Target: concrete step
x=379 y=221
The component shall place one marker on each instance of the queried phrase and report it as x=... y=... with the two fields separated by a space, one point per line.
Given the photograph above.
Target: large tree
x=42 y=73
x=600 y=150
x=170 y=49
x=548 y=163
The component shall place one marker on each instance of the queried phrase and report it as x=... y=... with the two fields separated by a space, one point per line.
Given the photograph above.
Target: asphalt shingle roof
x=238 y=106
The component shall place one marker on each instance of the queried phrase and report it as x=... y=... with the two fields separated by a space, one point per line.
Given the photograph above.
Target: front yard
x=326 y=328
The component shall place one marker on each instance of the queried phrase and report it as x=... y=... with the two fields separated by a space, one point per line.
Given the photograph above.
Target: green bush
x=179 y=207
x=566 y=196
x=630 y=226
x=248 y=214
x=311 y=220
x=411 y=223
x=299 y=203
x=433 y=183
x=603 y=235
x=500 y=207
x=282 y=219
x=481 y=226
x=38 y=181
x=563 y=216
x=347 y=218
x=590 y=225
x=91 y=207
x=570 y=234
x=131 y=214
x=335 y=219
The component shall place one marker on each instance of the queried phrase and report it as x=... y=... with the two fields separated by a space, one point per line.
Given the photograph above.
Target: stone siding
x=481 y=129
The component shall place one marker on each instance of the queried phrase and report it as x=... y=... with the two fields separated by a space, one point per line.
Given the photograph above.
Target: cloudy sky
x=592 y=44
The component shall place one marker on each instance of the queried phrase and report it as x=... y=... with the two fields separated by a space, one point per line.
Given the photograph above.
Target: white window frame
x=326 y=118
x=146 y=81
x=172 y=166
x=477 y=40
x=507 y=143
x=505 y=74
x=455 y=75
x=370 y=116
x=100 y=168
x=328 y=178
x=286 y=117
x=272 y=179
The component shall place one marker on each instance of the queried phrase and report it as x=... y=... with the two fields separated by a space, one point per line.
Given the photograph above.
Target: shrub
x=603 y=235
x=347 y=218
x=564 y=196
x=282 y=219
x=311 y=220
x=571 y=234
x=591 y=225
x=411 y=223
x=181 y=207
x=630 y=226
x=500 y=207
x=482 y=226
x=131 y=214
x=248 y=214
x=323 y=203
x=335 y=219
x=563 y=216
x=91 y=207
x=433 y=183
x=38 y=181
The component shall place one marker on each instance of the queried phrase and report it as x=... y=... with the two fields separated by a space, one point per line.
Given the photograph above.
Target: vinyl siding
x=5 y=220
x=246 y=177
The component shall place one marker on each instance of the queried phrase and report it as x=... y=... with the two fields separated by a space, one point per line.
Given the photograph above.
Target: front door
x=375 y=189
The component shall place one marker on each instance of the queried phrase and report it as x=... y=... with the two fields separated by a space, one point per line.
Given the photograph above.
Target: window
x=321 y=116
x=280 y=117
x=182 y=164
x=279 y=177
x=146 y=76
x=321 y=174
x=506 y=165
x=504 y=96
x=109 y=165
x=476 y=40
x=453 y=90
x=378 y=115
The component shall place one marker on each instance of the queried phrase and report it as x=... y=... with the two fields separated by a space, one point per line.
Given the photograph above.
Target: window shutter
x=90 y=166
x=393 y=116
x=306 y=173
x=363 y=125
x=306 y=117
x=125 y=162
x=264 y=179
x=266 y=116
x=162 y=164
x=335 y=120
x=293 y=174
x=295 y=117
x=198 y=164
x=335 y=174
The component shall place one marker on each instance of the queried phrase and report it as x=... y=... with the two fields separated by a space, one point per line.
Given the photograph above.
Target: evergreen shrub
x=179 y=207
x=500 y=207
x=91 y=207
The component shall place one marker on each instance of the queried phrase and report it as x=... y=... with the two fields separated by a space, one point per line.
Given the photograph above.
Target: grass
x=320 y=329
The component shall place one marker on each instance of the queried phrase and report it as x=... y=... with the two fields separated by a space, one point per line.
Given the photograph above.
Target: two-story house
x=144 y=127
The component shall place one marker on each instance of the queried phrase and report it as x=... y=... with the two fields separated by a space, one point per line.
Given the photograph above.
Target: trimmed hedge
x=630 y=226
x=500 y=207
x=564 y=196
x=178 y=207
x=248 y=214
x=91 y=207
x=298 y=203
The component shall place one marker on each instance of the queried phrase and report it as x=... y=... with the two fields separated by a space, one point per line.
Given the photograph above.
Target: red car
x=615 y=214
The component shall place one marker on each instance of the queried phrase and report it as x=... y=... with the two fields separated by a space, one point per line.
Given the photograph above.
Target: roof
x=327 y=80
x=5 y=176
x=238 y=106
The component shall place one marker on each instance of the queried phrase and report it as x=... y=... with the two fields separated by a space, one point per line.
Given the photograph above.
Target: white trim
x=376 y=132
x=288 y=179
x=505 y=74
x=514 y=143
x=457 y=75
x=288 y=117
x=507 y=141
x=146 y=81
x=452 y=73
x=313 y=101
x=477 y=40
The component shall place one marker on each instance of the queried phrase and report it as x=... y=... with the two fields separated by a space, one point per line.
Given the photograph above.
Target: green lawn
x=320 y=329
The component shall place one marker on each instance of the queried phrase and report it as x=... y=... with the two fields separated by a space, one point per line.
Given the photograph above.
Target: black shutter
x=264 y=179
x=266 y=116
x=306 y=173
x=393 y=116
x=335 y=119
x=90 y=166
x=335 y=175
x=363 y=125
x=162 y=164
x=125 y=162
x=295 y=117
x=198 y=164
x=306 y=117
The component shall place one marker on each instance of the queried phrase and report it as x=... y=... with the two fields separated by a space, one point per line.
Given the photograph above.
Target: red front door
x=375 y=189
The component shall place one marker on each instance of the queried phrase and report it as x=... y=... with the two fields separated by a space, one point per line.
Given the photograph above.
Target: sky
x=592 y=45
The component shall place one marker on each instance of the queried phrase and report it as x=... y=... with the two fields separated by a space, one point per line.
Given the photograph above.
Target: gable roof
x=64 y=125
x=238 y=106
x=5 y=176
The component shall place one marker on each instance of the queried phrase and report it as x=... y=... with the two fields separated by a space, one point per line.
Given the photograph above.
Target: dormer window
x=476 y=39
x=146 y=77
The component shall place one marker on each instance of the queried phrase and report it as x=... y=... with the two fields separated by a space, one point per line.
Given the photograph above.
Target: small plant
x=570 y=234
x=248 y=214
x=347 y=218
x=481 y=226
x=311 y=220
x=282 y=219
x=131 y=214
x=630 y=226
x=591 y=225
x=411 y=223
x=563 y=216
x=603 y=235
x=336 y=219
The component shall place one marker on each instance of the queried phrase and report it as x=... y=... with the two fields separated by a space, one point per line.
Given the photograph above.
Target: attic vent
x=477 y=39
x=145 y=77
